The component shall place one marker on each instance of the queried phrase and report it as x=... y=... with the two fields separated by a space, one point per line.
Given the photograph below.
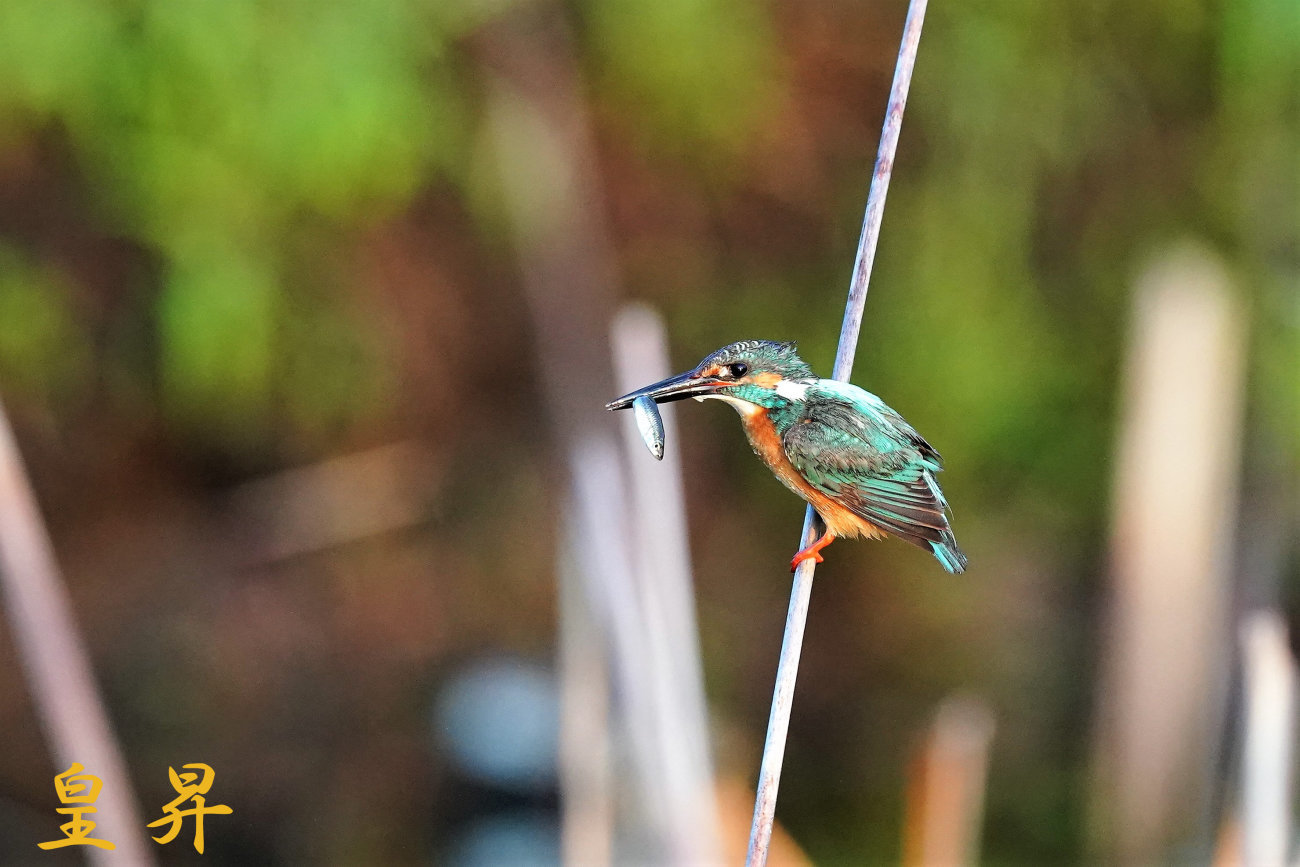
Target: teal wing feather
x=851 y=446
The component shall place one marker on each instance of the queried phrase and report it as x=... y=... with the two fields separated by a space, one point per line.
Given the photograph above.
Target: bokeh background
x=275 y=370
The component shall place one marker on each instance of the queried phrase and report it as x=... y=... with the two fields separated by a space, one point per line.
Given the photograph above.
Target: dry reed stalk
x=1169 y=646
x=57 y=665
x=769 y=777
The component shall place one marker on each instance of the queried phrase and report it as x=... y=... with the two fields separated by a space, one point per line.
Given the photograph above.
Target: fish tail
x=948 y=554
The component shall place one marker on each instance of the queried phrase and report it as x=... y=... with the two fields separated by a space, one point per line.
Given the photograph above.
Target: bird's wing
x=879 y=469
x=878 y=416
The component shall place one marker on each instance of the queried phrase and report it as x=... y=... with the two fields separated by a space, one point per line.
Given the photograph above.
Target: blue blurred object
x=499 y=723
x=523 y=839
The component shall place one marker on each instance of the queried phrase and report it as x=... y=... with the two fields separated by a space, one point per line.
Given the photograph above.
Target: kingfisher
x=865 y=470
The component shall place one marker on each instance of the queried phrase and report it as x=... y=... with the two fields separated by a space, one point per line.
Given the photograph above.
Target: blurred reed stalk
x=667 y=595
x=331 y=502
x=540 y=138
x=769 y=777
x=1267 y=740
x=946 y=785
x=1168 y=658
x=57 y=665
x=585 y=746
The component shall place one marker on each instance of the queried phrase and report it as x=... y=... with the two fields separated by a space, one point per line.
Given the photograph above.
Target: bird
x=856 y=461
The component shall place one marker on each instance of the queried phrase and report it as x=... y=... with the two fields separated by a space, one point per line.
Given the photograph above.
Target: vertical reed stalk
x=769 y=778
x=57 y=665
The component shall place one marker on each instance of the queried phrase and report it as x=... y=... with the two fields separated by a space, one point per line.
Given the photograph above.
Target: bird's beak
x=679 y=387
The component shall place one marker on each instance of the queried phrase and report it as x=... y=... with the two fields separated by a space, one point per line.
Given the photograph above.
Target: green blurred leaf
x=43 y=353
x=693 y=70
x=218 y=321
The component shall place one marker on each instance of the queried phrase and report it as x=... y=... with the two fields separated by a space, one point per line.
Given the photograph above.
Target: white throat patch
x=791 y=390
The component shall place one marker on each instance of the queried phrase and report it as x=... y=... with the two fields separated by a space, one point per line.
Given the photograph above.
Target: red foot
x=812 y=551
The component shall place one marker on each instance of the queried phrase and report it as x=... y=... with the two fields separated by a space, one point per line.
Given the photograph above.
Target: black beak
x=679 y=387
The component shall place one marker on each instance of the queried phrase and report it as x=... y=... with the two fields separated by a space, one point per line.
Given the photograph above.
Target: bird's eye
x=738 y=369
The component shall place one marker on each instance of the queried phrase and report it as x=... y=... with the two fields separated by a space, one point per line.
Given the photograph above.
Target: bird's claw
x=815 y=556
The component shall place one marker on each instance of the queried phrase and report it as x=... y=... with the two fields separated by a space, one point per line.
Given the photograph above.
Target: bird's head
x=752 y=375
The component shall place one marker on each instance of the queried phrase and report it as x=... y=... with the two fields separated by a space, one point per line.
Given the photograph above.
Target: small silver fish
x=651 y=425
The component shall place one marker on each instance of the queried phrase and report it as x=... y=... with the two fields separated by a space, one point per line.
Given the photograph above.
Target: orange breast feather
x=767 y=445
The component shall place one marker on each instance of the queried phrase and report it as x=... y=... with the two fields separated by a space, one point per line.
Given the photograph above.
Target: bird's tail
x=948 y=554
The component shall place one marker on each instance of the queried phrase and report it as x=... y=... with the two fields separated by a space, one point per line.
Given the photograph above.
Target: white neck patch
x=791 y=390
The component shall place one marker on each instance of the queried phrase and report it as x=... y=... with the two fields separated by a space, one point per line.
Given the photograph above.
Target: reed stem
x=769 y=777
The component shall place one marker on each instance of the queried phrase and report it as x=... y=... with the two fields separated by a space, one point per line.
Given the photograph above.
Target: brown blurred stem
x=945 y=793
x=56 y=663
x=769 y=778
